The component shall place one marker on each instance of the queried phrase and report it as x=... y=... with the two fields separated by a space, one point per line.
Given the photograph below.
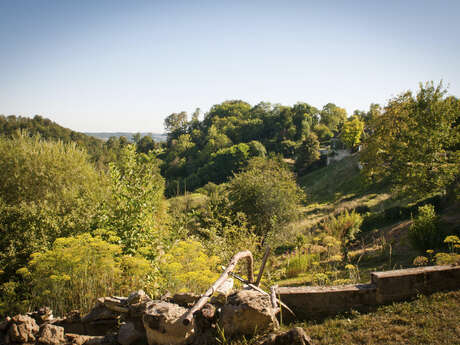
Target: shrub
x=77 y=270
x=299 y=263
x=135 y=210
x=344 y=227
x=187 y=268
x=47 y=190
x=266 y=191
x=424 y=233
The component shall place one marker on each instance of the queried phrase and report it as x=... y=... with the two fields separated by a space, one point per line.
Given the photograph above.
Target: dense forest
x=82 y=217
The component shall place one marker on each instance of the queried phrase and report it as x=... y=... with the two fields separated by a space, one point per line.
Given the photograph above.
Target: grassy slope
x=431 y=319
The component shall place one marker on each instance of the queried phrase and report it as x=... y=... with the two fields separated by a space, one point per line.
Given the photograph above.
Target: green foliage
x=187 y=268
x=215 y=145
x=49 y=130
x=323 y=132
x=267 y=193
x=300 y=263
x=415 y=142
x=47 y=190
x=424 y=233
x=136 y=210
x=352 y=131
x=77 y=270
x=307 y=153
x=212 y=221
x=333 y=116
x=344 y=227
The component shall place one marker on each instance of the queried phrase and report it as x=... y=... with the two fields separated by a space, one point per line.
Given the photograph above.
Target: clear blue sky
x=96 y=65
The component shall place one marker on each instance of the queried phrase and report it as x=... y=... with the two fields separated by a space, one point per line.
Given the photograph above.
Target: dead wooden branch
x=273 y=296
x=223 y=277
x=262 y=267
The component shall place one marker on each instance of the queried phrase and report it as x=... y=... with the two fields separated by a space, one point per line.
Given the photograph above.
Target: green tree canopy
x=352 y=131
x=333 y=116
x=47 y=190
x=415 y=143
x=267 y=193
x=135 y=211
x=307 y=153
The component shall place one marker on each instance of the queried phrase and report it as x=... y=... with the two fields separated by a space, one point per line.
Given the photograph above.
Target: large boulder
x=295 y=336
x=100 y=320
x=51 y=335
x=23 y=329
x=163 y=322
x=246 y=312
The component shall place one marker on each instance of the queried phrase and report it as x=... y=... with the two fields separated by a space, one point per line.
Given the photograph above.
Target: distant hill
x=128 y=135
x=50 y=130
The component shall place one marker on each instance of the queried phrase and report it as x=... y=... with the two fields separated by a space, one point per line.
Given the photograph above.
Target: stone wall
x=385 y=287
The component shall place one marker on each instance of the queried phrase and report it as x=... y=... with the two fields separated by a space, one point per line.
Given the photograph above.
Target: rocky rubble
x=139 y=320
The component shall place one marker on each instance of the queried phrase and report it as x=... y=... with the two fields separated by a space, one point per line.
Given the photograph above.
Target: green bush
x=77 y=270
x=299 y=263
x=344 y=227
x=266 y=191
x=424 y=233
x=187 y=268
x=47 y=190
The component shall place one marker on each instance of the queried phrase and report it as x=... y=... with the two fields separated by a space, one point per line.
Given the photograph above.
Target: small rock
x=248 y=311
x=51 y=335
x=116 y=305
x=42 y=315
x=137 y=297
x=163 y=323
x=185 y=299
x=76 y=339
x=295 y=336
x=23 y=329
x=100 y=313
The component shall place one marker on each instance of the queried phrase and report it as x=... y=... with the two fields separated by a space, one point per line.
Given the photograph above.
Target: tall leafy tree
x=333 y=116
x=266 y=191
x=415 y=143
x=352 y=131
x=307 y=153
x=47 y=190
x=135 y=210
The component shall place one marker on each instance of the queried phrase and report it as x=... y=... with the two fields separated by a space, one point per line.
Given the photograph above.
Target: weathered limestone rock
x=295 y=336
x=76 y=339
x=23 y=329
x=205 y=321
x=100 y=320
x=248 y=311
x=118 y=305
x=72 y=323
x=51 y=335
x=164 y=326
x=128 y=334
x=100 y=313
x=184 y=299
x=42 y=315
x=137 y=297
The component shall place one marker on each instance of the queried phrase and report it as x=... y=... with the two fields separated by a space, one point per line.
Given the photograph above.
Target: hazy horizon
x=116 y=66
